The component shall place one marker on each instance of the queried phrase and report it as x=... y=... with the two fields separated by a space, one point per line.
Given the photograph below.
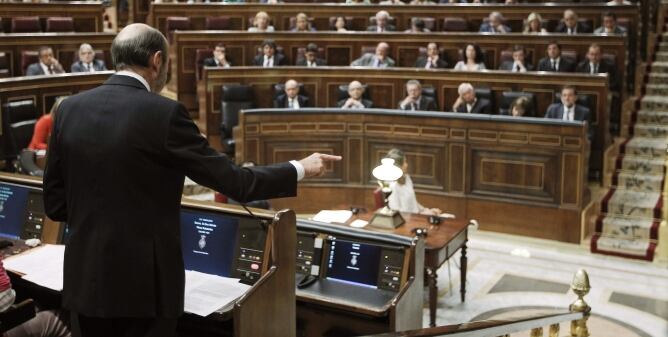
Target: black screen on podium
x=353 y=262
x=21 y=211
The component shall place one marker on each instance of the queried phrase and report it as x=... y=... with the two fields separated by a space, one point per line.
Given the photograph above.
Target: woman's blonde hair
x=532 y=17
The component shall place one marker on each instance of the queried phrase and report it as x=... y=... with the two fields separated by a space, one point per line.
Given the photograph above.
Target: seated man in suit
x=595 y=65
x=311 y=58
x=269 y=57
x=355 y=101
x=87 y=61
x=291 y=99
x=570 y=24
x=553 y=61
x=219 y=59
x=377 y=60
x=47 y=64
x=415 y=100
x=432 y=60
x=495 y=24
x=518 y=64
x=567 y=109
x=467 y=102
x=382 y=25
x=610 y=25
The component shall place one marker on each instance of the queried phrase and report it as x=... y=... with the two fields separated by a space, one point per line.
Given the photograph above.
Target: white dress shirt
x=268 y=61
x=555 y=63
x=403 y=198
x=593 y=68
x=311 y=64
x=293 y=103
x=46 y=69
x=569 y=113
x=518 y=67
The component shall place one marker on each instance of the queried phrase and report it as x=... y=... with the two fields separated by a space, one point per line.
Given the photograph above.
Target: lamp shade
x=387 y=171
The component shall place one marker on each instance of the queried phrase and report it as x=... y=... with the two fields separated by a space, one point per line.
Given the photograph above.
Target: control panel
x=305 y=252
x=35 y=217
x=390 y=269
x=251 y=238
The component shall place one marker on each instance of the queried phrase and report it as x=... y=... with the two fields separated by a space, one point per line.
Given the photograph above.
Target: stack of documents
x=333 y=216
x=42 y=265
x=206 y=293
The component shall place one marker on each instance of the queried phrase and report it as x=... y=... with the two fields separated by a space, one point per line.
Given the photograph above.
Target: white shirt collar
x=45 y=68
x=135 y=76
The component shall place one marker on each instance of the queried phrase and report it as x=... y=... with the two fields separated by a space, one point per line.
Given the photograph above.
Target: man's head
x=355 y=90
x=382 y=49
x=414 y=89
x=291 y=88
x=417 y=25
x=45 y=55
x=86 y=53
x=432 y=49
x=568 y=96
x=381 y=18
x=142 y=49
x=609 y=20
x=594 y=54
x=268 y=48
x=518 y=54
x=219 y=51
x=553 y=50
x=570 y=18
x=466 y=92
x=495 y=19
x=311 y=52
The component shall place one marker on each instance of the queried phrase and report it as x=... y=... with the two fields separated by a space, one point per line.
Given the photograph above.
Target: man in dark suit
x=291 y=98
x=595 y=65
x=415 y=100
x=433 y=58
x=355 y=100
x=219 y=58
x=118 y=156
x=568 y=110
x=554 y=62
x=382 y=25
x=494 y=24
x=47 y=64
x=378 y=60
x=519 y=63
x=87 y=61
x=570 y=24
x=311 y=58
x=610 y=25
x=467 y=102
x=269 y=57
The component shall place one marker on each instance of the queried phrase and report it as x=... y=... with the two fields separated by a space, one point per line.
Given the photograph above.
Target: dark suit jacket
x=211 y=62
x=481 y=106
x=508 y=65
x=118 y=156
x=556 y=111
x=388 y=28
x=421 y=62
x=485 y=27
x=78 y=67
x=580 y=28
x=367 y=103
x=282 y=101
x=565 y=66
x=603 y=67
x=426 y=103
x=279 y=60
x=318 y=61
x=35 y=69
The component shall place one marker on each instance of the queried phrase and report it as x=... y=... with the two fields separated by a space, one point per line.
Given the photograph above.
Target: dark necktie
x=49 y=69
x=517 y=68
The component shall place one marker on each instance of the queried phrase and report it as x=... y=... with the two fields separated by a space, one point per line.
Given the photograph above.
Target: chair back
x=508 y=97
x=234 y=99
x=18 y=124
x=59 y=24
x=26 y=24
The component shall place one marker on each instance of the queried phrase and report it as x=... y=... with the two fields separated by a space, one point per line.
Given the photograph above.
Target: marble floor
x=510 y=276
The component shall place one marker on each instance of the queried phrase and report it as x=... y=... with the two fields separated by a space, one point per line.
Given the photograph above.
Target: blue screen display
x=353 y=262
x=208 y=242
x=13 y=200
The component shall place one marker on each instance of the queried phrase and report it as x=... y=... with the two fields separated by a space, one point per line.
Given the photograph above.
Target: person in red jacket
x=43 y=128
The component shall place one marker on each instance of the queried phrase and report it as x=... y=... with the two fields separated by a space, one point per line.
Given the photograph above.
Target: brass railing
x=578 y=313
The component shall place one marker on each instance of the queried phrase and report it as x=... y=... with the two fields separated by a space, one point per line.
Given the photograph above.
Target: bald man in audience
x=570 y=24
x=355 y=101
x=87 y=62
x=291 y=98
x=377 y=60
x=382 y=23
x=467 y=102
x=415 y=100
x=433 y=58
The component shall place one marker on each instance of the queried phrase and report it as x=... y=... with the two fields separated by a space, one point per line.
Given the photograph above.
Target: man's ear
x=156 y=61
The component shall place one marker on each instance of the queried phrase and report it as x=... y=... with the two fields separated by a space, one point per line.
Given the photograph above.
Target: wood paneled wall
x=87 y=15
x=519 y=176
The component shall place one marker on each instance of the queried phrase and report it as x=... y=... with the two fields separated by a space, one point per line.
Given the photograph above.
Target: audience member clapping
x=473 y=59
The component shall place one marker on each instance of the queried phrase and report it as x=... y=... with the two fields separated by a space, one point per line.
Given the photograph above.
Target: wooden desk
x=87 y=15
x=441 y=242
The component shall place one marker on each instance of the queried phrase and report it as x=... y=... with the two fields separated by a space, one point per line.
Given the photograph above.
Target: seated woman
x=261 y=23
x=473 y=59
x=40 y=136
x=519 y=107
x=302 y=24
x=340 y=24
x=403 y=197
x=534 y=24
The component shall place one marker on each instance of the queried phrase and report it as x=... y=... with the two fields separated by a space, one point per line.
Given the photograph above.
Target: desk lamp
x=387 y=173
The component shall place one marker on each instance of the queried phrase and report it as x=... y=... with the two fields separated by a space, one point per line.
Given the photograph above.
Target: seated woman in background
x=340 y=24
x=417 y=26
x=473 y=59
x=40 y=136
x=261 y=23
x=403 y=197
x=302 y=24
x=519 y=107
x=534 y=24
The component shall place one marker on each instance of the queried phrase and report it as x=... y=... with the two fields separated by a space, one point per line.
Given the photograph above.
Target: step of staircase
x=639 y=249
x=662 y=56
x=626 y=203
x=637 y=182
x=627 y=228
x=656 y=89
x=655 y=102
x=658 y=78
x=652 y=117
x=650 y=130
x=660 y=67
x=642 y=165
x=646 y=147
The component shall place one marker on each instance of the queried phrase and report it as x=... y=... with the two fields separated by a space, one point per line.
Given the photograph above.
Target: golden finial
x=580 y=287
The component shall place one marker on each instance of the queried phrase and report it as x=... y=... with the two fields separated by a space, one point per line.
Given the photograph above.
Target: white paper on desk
x=42 y=265
x=206 y=293
x=333 y=216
